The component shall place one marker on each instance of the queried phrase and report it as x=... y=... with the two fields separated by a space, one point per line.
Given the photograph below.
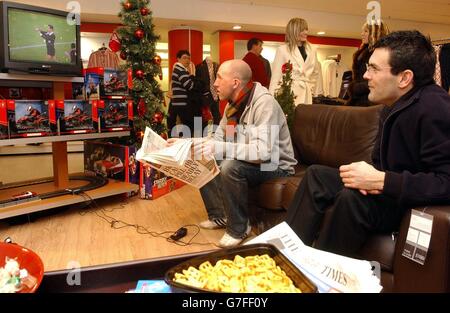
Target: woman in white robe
x=306 y=72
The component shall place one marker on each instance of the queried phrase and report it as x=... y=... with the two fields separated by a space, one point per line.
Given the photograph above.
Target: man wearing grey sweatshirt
x=252 y=144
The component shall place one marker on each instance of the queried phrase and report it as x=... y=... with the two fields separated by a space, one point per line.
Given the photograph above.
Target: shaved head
x=237 y=69
x=231 y=78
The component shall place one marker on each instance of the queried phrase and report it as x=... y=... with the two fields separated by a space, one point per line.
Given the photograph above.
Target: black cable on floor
x=119 y=224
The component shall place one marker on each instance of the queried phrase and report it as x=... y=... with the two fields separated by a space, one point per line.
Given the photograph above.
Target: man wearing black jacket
x=411 y=157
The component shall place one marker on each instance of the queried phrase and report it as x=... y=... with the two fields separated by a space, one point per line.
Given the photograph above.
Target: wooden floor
x=79 y=234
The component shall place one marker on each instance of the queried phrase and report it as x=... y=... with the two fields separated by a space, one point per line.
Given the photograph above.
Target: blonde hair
x=376 y=31
x=293 y=29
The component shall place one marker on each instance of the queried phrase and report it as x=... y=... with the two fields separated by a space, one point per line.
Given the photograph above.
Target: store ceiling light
x=237 y=27
x=320 y=33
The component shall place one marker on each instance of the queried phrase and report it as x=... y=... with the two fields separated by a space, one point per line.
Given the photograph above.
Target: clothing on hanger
x=332 y=73
x=437 y=72
x=103 y=57
x=444 y=59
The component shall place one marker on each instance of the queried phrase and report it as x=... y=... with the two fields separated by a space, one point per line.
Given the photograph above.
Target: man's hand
x=362 y=176
x=191 y=69
x=172 y=141
x=203 y=148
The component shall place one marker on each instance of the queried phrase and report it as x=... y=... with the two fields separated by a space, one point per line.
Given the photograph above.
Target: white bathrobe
x=306 y=75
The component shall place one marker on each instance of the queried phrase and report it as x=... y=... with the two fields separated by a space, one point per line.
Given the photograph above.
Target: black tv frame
x=41 y=67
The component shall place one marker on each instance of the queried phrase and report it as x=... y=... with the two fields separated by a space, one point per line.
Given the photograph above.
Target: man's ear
x=236 y=83
x=406 y=79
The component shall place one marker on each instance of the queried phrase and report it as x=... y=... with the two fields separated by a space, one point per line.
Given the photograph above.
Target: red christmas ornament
x=139 y=74
x=127 y=6
x=141 y=108
x=114 y=42
x=139 y=34
x=158 y=117
x=123 y=55
x=145 y=11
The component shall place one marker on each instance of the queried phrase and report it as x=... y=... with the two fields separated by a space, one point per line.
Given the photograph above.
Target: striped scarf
x=235 y=109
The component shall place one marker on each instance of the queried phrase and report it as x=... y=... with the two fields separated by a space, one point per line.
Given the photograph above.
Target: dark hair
x=253 y=42
x=410 y=50
x=50 y=26
x=181 y=53
x=72 y=45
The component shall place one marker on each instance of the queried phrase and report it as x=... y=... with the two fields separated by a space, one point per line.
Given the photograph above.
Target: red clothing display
x=259 y=73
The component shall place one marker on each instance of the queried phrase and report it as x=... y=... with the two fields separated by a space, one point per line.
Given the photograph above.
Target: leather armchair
x=335 y=135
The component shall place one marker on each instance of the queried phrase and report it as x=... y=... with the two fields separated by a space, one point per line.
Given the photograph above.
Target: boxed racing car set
x=111 y=160
x=4 y=127
x=115 y=115
x=74 y=116
x=106 y=83
x=26 y=118
x=154 y=184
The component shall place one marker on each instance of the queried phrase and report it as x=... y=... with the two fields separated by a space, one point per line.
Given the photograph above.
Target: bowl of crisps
x=21 y=270
x=255 y=268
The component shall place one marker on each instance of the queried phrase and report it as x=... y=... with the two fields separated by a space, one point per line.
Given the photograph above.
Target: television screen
x=41 y=37
x=38 y=40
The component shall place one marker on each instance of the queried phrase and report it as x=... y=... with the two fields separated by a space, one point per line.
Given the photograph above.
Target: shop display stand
x=60 y=160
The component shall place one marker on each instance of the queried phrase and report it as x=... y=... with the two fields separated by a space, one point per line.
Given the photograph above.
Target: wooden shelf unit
x=113 y=187
x=59 y=151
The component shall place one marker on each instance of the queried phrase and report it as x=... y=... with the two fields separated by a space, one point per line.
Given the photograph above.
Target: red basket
x=27 y=259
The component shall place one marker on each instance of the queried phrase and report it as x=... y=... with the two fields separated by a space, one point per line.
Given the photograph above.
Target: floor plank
x=79 y=235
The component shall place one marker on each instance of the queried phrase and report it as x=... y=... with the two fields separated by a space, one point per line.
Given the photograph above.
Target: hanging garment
x=332 y=73
x=444 y=59
x=104 y=58
x=206 y=75
x=437 y=73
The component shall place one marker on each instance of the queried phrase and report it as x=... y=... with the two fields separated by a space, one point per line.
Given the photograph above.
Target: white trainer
x=214 y=224
x=228 y=241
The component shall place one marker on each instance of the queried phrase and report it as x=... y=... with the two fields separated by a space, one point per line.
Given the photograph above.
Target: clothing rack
x=440 y=42
x=336 y=57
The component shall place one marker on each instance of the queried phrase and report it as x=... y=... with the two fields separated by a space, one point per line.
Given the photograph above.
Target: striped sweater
x=182 y=82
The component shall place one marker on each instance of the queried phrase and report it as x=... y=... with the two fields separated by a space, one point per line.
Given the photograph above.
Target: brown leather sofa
x=335 y=135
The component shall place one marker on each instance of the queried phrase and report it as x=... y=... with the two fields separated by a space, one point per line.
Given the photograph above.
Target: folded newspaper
x=330 y=272
x=176 y=160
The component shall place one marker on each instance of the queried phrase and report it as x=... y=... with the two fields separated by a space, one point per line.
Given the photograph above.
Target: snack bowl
x=298 y=278
x=27 y=260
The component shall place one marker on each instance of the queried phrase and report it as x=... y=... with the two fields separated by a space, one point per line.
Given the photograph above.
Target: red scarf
x=235 y=109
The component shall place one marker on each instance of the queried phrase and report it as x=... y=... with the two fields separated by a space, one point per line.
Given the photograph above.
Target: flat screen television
x=38 y=40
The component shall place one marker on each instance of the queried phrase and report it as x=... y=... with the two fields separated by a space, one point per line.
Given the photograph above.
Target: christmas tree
x=138 y=43
x=284 y=94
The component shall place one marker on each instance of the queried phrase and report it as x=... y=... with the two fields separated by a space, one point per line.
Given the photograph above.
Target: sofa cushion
x=276 y=193
x=335 y=135
x=379 y=248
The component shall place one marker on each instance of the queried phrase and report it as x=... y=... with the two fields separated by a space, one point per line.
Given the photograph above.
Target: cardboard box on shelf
x=4 y=127
x=106 y=83
x=111 y=160
x=29 y=118
x=115 y=115
x=75 y=116
x=154 y=184
x=92 y=80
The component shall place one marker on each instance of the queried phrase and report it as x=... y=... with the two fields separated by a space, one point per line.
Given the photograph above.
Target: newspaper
x=330 y=272
x=175 y=160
